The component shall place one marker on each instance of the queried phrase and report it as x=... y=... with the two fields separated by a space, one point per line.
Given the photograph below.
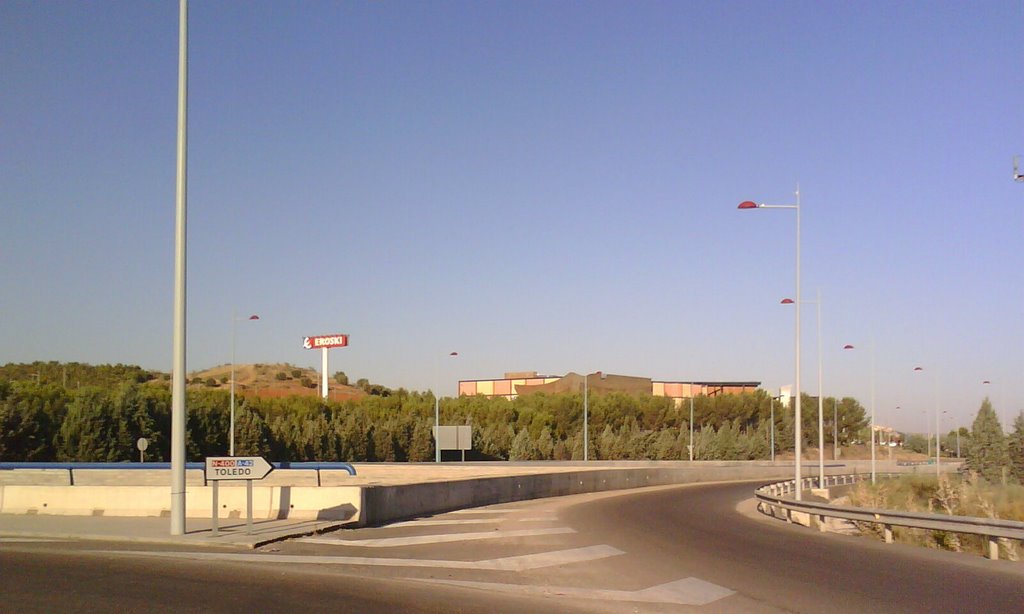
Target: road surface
x=666 y=549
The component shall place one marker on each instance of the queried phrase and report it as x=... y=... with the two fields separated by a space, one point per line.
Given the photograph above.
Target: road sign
x=142 y=444
x=237 y=468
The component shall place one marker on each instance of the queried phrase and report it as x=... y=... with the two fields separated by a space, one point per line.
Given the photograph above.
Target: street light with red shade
x=749 y=204
x=873 y=452
x=231 y=441
x=821 y=397
x=938 y=446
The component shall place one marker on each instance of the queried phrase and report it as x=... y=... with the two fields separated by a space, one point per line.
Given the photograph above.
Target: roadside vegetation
x=100 y=416
x=990 y=486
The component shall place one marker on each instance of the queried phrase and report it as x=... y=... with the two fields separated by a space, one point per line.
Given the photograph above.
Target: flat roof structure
x=515 y=384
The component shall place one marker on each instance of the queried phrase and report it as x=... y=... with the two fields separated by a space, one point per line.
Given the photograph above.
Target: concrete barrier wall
x=269 y=502
x=133 y=477
x=384 y=504
x=293 y=493
x=37 y=477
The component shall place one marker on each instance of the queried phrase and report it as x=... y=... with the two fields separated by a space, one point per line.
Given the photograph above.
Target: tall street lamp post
x=178 y=417
x=938 y=446
x=586 y=415
x=234 y=320
x=835 y=428
x=437 y=417
x=796 y=414
x=691 y=429
x=821 y=397
x=873 y=455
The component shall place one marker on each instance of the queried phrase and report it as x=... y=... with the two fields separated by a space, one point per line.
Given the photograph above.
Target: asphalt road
x=679 y=549
x=698 y=531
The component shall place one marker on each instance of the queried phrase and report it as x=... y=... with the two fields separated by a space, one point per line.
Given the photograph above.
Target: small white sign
x=237 y=468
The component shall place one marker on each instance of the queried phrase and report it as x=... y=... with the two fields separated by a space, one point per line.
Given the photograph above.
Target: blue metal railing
x=318 y=466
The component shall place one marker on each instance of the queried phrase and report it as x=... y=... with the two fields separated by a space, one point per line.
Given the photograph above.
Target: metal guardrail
x=773 y=496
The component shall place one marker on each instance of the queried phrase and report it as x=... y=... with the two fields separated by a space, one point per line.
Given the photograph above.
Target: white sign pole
x=248 y=505
x=323 y=374
x=216 y=492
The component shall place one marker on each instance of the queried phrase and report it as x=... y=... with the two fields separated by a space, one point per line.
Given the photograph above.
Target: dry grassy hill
x=277 y=380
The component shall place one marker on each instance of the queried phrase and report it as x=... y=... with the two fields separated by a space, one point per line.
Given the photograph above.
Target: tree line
x=101 y=421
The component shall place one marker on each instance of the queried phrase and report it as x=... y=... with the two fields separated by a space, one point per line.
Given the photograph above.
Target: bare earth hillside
x=269 y=381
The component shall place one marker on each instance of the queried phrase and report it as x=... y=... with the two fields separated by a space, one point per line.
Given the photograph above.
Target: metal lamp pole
x=586 y=418
x=437 y=417
x=821 y=397
x=234 y=320
x=938 y=446
x=586 y=414
x=771 y=404
x=835 y=429
x=873 y=456
x=178 y=418
x=797 y=415
x=691 y=427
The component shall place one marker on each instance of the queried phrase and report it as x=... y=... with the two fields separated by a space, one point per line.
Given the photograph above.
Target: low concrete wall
x=38 y=477
x=389 y=503
x=269 y=502
x=132 y=477
x=424 y=489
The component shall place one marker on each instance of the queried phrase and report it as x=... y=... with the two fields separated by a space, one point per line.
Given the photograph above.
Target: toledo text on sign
x=325 y=341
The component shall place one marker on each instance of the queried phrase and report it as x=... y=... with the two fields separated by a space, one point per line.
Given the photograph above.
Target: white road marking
x=392 y=542
x=447 y=522
x=512 y=563
x=503 y=510
x=688 y=591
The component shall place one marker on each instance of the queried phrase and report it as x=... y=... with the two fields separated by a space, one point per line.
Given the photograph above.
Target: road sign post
x=142 y=444
x=246 y=468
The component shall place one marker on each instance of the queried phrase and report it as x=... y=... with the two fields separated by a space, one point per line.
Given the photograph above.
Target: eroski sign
x=325 y=341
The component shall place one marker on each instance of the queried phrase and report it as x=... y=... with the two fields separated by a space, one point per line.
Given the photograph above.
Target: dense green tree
x=987 y=454
x=252 y=435
x=29 y=414
x=523 y=447
x=1016 y=449
x=86 y=433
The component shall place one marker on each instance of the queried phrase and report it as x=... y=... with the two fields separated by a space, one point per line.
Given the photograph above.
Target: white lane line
x=493 y=510
x=512 y=563
x=443 y=522
x=392 y=542
x=688 y=591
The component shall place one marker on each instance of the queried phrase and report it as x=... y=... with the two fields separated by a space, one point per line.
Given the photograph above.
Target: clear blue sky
x=544 y=186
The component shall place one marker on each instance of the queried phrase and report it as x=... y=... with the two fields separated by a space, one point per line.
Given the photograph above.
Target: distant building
x=529 y=382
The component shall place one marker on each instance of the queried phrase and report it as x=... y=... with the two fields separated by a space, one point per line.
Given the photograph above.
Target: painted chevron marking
x=416 y=540
x=512 y=563
x=688 y=591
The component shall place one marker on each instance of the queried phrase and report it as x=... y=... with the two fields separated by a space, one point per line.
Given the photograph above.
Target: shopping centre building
x=529 y=382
